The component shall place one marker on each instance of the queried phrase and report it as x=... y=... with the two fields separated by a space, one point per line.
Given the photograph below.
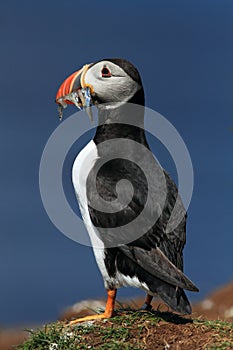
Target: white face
x=110 y=82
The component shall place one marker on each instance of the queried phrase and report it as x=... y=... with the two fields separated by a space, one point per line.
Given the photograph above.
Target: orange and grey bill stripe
x=75 y=81
x=67 y=86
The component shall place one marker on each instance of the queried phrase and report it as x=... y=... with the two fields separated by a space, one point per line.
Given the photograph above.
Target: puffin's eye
x=105 y=72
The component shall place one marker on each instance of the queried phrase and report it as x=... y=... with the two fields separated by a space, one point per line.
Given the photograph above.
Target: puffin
x=115 y=168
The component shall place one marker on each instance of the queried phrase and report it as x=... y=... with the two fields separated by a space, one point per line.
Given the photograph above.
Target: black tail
x=177 y=300
x=171 y=294
x=174 y=297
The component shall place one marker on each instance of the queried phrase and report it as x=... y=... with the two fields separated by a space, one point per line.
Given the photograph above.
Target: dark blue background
x=184 y=52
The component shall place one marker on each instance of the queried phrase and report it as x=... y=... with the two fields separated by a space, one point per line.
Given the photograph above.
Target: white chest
x=81 y=168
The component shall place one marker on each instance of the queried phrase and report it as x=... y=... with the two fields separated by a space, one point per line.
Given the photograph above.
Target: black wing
x=157 y=255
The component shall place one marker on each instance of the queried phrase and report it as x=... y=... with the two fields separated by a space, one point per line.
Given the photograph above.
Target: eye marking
x=105 y=72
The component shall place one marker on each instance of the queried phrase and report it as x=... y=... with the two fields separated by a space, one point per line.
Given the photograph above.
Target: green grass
x=133 y=331
x=222 y=332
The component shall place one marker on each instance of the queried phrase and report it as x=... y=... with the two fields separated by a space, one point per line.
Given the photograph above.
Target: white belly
x=81 y=168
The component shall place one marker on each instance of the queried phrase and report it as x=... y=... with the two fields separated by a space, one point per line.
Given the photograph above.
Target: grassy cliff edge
x=134 y=330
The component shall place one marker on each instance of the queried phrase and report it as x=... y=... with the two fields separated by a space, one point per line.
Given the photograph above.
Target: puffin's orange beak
x=69 y=85
x=75 y=91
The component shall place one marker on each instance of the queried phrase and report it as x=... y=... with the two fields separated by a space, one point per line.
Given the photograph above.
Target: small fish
x=81 y=98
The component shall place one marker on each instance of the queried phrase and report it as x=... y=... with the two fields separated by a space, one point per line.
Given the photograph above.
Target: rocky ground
x=216 y=306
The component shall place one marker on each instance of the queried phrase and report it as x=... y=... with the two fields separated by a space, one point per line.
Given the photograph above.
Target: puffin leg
x=147 y=305
x=108 y=313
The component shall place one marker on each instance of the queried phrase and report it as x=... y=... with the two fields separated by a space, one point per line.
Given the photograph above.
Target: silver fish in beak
x=74 y=91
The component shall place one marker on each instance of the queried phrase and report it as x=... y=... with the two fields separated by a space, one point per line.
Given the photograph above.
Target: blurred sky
x=184 y=52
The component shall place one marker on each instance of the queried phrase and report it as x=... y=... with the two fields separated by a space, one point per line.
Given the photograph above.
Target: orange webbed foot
x=109 y=310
